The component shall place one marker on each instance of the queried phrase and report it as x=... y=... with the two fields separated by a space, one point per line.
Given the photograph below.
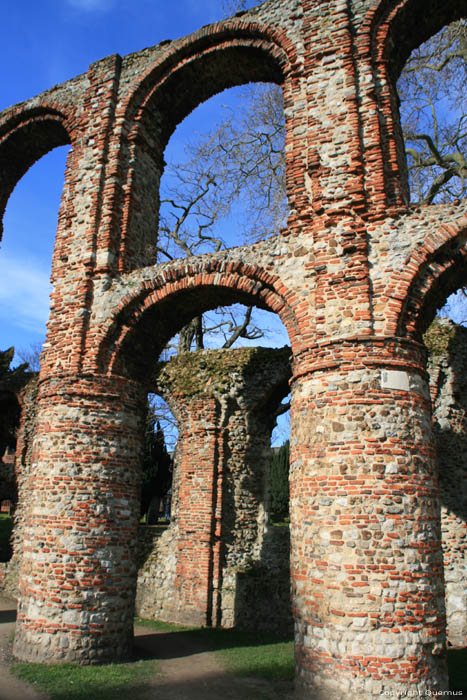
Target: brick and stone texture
x=356 y=276
x=80 y=522
x=22 y=478
x=266 y=578
x=448 y=384
x=224 y=402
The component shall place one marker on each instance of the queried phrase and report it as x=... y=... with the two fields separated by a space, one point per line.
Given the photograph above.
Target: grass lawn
x=69 y=682
x=248 y=654
x=243 y=653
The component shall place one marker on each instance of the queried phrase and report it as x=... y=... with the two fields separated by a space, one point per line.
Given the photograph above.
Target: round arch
x=390 y=31
x=182 y=76
x=201 y=65
x=439 y=273
x=155 y=311
x=25 y=137
x=400 y=27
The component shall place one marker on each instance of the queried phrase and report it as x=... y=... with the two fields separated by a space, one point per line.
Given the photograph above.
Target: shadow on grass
x=245 y=654
x=146 y=677
x=175 y=643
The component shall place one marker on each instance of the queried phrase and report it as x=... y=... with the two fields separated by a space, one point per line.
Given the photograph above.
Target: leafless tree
x=433 y=93
x=31 y=356
x=235 y=170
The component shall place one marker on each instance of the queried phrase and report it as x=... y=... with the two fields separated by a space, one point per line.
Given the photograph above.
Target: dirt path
x=10 y=687
x=188 y=669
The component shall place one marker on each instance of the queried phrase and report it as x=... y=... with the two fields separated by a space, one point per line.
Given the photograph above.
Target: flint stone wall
x=447 y=367
x=23 y=475
x=224 y=402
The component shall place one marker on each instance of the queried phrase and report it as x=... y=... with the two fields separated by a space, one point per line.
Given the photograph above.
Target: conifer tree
x=279 y=483
x=11 y=380
x=157 y=466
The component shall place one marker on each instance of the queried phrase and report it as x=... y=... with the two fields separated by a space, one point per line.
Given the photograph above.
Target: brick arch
x=438 y=271
x=205 y=63
x=221 y=56
x=391 y=30
x=152 y=313
x=26 y=136
x=400 y=26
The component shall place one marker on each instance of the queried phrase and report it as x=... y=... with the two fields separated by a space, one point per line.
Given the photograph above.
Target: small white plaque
x=393 y=379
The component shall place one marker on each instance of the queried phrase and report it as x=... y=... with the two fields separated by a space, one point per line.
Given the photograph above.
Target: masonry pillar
x=197 y=491
x=366 y=563
x=77 y=576
x=218 y=399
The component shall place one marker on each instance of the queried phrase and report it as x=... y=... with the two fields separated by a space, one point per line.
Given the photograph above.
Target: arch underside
x=204 y=75
x=25 y=143
x=140 y=334
x=443 y=274
x=194 y=71
x=410 y=24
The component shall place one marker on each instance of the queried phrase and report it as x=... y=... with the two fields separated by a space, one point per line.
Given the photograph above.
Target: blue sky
x=43 y=44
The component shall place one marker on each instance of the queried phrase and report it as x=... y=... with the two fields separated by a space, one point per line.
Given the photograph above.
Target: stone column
x=77 y=576
x=366 y=562
x=224 y=403
x=197 y=493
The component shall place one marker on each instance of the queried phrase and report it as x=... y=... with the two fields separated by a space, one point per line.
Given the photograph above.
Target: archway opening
x=206 y=67
x=226 y=402
x=432 y=88
x=160 y=439
x=30 y=222
x=224 y=184
x=433 y=108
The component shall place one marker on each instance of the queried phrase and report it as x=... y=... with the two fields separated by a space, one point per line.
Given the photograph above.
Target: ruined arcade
x=356 y=278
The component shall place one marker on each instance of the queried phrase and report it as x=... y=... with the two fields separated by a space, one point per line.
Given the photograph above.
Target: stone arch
x=399 y=27
x=206 y=63
x=151 y=314
x=391 y=30
x=26 y=136
x=440 y=272
x=203 y=64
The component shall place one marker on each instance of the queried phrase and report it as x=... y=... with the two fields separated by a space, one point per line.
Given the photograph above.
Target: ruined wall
x=224 y=403
x=447 y=367
x=23 y=478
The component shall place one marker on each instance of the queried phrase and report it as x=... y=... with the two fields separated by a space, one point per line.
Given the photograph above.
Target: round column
x=78 y=574
x=366 y=562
